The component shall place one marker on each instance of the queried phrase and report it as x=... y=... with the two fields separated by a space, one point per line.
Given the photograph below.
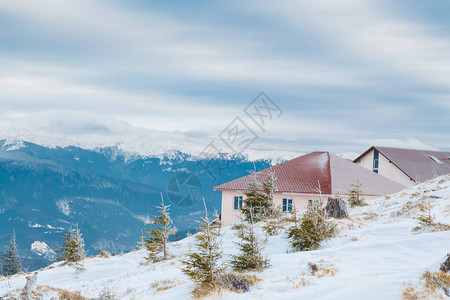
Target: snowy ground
x=375 y=255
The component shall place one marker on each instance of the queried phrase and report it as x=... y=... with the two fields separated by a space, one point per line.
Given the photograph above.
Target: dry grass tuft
x=322 y=269
x=298 y=281
x=225 y=285
x=316 y=270
x=251 y=279
x=412 y=208
x=207 y=289
x=104 y=254
x=435 y=285
x=370 y=216
x=68 y=295
x=436 y=280
x=107 y=293
x=63 y=293
x=427 y=220
x=165 y=284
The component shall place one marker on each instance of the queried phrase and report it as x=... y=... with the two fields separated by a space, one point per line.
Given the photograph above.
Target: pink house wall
x=230 y=216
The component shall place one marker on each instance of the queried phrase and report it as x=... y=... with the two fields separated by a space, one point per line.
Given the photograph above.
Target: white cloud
x=371 y=34
x=83 y=91
x=164 y=47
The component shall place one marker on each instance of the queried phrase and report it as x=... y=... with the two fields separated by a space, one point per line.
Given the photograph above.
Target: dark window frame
x=287 y=204
x=238 y=200
x=376 y=160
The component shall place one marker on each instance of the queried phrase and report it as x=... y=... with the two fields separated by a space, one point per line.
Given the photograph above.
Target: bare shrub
x=107 y=293
x=427 y=220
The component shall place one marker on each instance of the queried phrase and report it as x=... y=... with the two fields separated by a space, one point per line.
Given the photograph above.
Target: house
x=304 y=180
x=405 y=166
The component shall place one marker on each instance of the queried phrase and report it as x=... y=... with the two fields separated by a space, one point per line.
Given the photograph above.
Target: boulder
x=336 y=208
x=445 y=266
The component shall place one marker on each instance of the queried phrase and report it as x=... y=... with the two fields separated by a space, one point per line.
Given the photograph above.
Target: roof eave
x=365 y=152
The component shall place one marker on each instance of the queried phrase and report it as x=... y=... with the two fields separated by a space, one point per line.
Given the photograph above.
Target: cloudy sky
x=346 y=74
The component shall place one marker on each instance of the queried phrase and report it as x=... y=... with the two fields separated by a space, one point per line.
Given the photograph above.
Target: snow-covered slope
x=374 y=256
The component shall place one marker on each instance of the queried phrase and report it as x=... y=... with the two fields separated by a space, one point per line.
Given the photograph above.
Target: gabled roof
x=303 y=175
x=419 y=165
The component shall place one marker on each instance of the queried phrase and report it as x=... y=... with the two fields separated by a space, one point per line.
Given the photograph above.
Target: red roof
x=303 y=175
x=416 y=164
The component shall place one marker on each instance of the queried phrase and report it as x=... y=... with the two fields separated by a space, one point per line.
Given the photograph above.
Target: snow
x=143 y=143
x=63 y=206
x=13 y=144
x=349 y=155
x=374 y=256
x=42 y=249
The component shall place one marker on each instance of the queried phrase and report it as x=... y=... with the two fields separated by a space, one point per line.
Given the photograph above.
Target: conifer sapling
x=311 y=229
x=355 y=196
x=250 y=246
x=257 y=200
x=11 y=262
x=73 y=246
x=156 y=243
x=269 y=190
x=203 y=265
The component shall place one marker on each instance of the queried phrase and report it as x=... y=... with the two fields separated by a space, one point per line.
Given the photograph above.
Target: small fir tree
x=355 y=195
x=77 y=244
x=73 y=246
x=293 y=231
x=203 y=266
x=256 y=200
x=275 y=223
x=250 y=247
x=311 y=229
x=427 y=220
x=156 y=243
x=11 y=262
x=269 y=189
x=66 y=249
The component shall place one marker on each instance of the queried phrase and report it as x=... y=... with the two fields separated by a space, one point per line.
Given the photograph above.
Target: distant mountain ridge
x=109 y=193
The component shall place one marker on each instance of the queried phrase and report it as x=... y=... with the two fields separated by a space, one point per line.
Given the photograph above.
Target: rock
x=445 y=266
x=336 y=208
x=313 y=268
x=237 y=283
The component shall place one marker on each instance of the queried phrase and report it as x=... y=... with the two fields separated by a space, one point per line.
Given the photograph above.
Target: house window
x=311 y=201
x=376 y=156
x=237 y=202
x=435 y=159
x=287 y=204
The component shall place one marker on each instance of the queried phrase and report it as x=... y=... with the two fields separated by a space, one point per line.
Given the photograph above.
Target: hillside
x=109 y=193
x=374 y=256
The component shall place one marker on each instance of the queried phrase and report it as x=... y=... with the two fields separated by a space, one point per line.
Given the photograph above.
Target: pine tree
x=275 y=223
x=73 y=246
x=250 y=246
x=203 y=266
x=156 y=243
x=269 y=189
x=77 y=244
x=66 y=249
x=355 y=196
x=311 y=229
x=255 y=199
x=11 y=262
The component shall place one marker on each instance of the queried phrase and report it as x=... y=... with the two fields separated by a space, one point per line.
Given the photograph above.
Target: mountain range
x=108 y=193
